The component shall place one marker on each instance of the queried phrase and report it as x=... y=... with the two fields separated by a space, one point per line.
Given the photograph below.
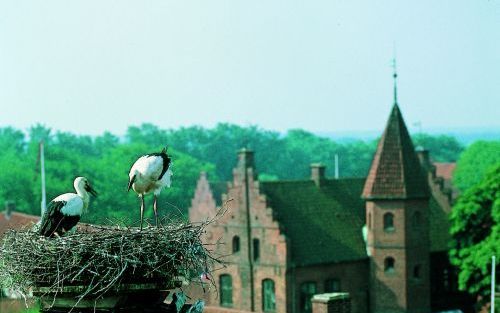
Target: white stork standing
x=150 y=173
x=64 y=212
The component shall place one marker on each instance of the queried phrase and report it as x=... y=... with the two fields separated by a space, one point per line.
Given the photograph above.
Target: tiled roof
x=324 y=224
x=395 y=172
x=439 y=226
x=16 y=220
x=445 y=170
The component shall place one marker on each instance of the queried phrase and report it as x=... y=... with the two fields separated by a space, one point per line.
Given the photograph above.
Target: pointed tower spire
x=395 y=172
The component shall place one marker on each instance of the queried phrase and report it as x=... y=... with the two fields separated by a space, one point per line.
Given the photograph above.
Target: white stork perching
x=150 y=173
x=64 y=212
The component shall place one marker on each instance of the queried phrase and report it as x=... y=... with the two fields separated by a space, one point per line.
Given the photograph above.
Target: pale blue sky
x=90 y=66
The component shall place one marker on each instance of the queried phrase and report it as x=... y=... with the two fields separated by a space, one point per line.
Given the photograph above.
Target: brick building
x=382 y=239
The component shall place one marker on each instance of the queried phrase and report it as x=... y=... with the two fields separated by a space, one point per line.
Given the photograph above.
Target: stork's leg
x=156 y=210
x=142 y=209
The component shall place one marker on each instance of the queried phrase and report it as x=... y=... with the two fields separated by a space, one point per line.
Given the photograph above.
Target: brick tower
x=397 y=218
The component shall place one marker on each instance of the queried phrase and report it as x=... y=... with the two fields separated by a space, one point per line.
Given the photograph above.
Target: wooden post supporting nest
x=124 y=296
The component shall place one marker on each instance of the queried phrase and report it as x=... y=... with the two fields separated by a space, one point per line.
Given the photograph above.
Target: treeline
x=106 y=160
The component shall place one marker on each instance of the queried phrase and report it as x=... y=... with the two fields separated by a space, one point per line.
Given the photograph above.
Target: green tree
x=11 y=139
x=475 y=231
x=17 y=181
x=474 y=162
x=109 y=175
x=17 y=178
x=106 y=160
x=442 y=148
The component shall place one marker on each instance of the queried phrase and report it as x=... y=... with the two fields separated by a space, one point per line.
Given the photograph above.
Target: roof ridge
x=310 y=180
x=21 y=214
x=401 y=132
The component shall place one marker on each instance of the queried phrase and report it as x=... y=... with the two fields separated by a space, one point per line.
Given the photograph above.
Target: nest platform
x=102 y=266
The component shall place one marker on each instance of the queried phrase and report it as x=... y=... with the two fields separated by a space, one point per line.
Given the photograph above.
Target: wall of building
x=247 y=272
x=408 y=244
x=352 y=276
x=397 y=291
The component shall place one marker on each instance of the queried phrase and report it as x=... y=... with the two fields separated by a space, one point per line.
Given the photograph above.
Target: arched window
x=369 y=221
x=236 y=244
x=307 y=291
x=389 y=265
x=226 y=290
x=417 y=220
x=268 y=296
x=389 y=222
x=256 y=249
x=332 y=285
x=417 y=271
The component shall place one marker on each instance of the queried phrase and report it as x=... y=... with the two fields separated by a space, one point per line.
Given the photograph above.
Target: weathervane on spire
x=395 y=76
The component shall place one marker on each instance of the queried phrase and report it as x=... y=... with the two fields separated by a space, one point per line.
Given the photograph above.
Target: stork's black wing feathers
x=52 y=218
x=166 y=161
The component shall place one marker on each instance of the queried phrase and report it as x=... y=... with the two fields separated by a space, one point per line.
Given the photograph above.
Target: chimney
x=424 y=158
x=10 y=206
x=245 y=158
x=245 y=165
x=318 y=173
x=338 y=302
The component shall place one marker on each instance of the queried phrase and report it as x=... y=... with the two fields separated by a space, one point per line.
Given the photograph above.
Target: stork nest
x=102 y=258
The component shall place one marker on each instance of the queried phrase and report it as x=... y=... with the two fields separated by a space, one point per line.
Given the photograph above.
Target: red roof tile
x=15 y=220
x=395 y=172
x=445 y=170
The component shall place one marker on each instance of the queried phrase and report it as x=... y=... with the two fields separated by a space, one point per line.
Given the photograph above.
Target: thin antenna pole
x=493 y=284
x=42 y=170
x=336 y=166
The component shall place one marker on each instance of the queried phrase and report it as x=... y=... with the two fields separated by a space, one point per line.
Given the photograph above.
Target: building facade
x=382 y=239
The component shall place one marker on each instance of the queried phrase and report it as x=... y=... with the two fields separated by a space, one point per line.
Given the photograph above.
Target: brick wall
x=399 y=290
x=244 y=270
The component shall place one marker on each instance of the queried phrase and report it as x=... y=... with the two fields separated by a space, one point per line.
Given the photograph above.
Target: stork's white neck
x=80 y=191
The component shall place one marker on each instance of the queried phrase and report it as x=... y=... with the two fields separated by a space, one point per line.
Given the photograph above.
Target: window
x=226 y=290
x=256 y=249
x=417 y=220
x=417 y=271
x=236 y=244
x=332 y=285
x=369 y=221
x=389 y=265
x=388 y=222
x=268 y=296
x=307 y=290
